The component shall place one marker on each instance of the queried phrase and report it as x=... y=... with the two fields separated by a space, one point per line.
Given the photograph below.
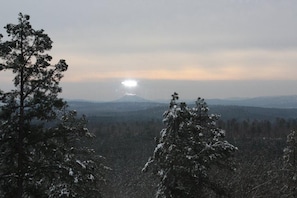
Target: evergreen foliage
x=42 y=146
x=191 y=146
x=290 y=163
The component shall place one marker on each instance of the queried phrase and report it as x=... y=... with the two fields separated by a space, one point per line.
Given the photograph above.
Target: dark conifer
x=190 y=147
x=41 y=148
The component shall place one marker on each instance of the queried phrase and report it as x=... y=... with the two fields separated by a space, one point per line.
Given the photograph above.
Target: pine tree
x=290 y=163
x=42 y=144
x=189 y=149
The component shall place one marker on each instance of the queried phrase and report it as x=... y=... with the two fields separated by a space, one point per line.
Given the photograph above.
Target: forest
x=127 y=144
x=54 y=148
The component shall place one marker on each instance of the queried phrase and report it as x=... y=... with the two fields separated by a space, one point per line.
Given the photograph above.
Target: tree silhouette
x=41 y=142
x=189 y=149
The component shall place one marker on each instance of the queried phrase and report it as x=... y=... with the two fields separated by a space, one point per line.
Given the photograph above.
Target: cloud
x=167 y=40
x=219 y=65
x=111 y=89
x=110 y=26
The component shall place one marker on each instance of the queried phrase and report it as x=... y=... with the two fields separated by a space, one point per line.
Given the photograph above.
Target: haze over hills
x=131 y=98
x=266 y=102
x=132 y=107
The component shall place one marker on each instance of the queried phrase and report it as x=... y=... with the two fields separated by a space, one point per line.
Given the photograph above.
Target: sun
x=130 y=83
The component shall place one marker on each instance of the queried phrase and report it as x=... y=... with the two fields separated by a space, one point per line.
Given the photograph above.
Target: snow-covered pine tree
x=290 y=163
x=43 y=153
x=191 y=146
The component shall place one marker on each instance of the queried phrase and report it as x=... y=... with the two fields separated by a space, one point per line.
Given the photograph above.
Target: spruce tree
x=290 y=163
x=42 y=144
x=189 y=149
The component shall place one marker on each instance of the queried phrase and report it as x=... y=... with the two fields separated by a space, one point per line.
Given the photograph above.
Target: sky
x=198 y=48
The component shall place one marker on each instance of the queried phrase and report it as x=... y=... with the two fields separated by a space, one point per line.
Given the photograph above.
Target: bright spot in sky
x=129 y=83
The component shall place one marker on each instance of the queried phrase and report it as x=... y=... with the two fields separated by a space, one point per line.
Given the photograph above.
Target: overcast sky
x=207 y=48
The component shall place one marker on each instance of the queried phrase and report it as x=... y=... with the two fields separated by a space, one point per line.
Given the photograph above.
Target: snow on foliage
x=290 y=162
x=189 y=147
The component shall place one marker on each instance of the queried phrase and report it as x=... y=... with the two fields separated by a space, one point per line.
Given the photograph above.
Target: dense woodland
x=128 y=144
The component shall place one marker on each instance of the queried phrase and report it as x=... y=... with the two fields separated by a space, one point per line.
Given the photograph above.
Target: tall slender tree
x=190 y=148
x=290 y=163
x=41 y=143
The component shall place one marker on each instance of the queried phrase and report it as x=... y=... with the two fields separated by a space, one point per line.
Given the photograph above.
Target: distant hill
x=267 y=102
x=132 y=108
x=125 y=104
x=131 y=98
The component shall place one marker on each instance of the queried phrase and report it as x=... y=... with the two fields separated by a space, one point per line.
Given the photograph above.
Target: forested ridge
x=127 y=144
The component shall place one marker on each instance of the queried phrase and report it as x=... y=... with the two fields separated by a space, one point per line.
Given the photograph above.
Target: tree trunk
x=20 y=146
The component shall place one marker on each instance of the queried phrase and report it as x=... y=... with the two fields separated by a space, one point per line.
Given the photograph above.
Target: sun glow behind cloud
x=129 y=83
